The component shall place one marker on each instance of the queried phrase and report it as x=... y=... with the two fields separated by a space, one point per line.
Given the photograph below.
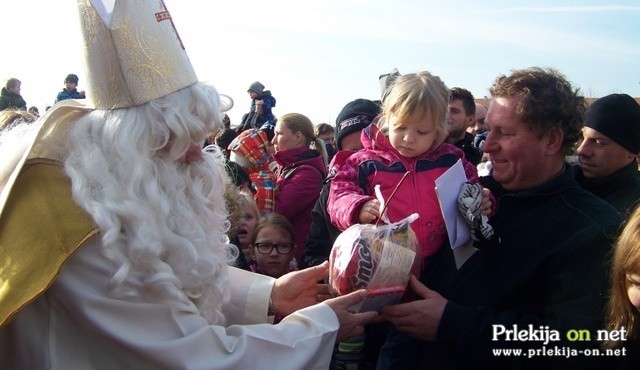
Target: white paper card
x=448 y=187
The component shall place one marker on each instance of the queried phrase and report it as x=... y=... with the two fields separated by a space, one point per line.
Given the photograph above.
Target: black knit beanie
x=355 y=116
x=616 y=116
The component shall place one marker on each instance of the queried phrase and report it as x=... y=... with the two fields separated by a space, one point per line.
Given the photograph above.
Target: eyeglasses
x=266 y=248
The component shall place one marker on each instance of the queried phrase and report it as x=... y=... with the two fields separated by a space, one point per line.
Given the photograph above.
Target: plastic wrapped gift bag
x=378 y=258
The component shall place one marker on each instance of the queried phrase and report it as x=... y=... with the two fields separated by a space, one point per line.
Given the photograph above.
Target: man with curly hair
x=546 y=278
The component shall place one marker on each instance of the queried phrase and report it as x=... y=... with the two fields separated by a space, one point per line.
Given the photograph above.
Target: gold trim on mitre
x=133 y=52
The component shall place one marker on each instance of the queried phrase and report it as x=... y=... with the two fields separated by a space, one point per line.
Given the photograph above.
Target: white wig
x=163 y=223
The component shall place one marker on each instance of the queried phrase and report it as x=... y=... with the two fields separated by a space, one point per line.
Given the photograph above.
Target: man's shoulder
x=563 y=200
x=471 y=153
x=590 y=210
x=621 y=190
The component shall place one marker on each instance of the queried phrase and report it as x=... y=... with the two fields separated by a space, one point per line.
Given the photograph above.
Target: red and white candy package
x=377 y=258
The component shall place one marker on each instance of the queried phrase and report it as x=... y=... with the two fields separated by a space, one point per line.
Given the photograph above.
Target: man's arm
x=574 y=296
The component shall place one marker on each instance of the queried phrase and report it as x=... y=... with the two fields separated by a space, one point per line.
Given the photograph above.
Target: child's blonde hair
x=247 y=199
x=414 y=93
x=626 y=260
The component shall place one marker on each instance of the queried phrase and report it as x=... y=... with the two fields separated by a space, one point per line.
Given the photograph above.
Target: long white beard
x=163 y=223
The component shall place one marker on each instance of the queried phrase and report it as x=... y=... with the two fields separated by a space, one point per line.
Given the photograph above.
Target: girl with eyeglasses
x=272 y=246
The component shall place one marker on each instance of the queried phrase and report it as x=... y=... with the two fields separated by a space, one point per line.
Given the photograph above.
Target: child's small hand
x=369 y=212
x=485 y=208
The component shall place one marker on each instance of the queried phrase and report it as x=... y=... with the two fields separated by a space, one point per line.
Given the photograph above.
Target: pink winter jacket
x=380 y=163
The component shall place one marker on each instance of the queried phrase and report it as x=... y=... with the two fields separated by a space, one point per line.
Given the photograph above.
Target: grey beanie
x=257 y=87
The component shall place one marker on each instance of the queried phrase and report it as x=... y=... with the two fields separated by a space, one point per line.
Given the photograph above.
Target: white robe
x=76 y=325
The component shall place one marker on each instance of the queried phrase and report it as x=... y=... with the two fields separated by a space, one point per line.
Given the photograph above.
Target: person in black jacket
x=354 y=117
x=542 y=288
x=607 y=154
x=10 y=97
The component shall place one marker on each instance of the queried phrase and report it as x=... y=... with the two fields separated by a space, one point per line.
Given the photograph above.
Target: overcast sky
x=317 y=56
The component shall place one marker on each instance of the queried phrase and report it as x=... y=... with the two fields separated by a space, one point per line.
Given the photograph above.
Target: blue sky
x=317 y=56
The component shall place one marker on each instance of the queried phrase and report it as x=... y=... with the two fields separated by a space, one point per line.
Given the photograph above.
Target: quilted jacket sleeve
x=346 y=196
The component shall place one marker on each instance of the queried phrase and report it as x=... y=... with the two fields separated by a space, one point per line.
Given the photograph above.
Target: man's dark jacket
x=550 y=270
x=621 y=188
x=471 y=153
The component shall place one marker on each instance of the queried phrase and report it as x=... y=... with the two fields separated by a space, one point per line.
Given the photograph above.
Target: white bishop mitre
x=133 y=52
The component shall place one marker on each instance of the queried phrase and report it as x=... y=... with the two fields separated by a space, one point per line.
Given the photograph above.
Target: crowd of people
x=148 y=231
